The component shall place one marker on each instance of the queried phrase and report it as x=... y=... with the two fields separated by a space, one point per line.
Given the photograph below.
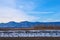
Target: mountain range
x=26 y=24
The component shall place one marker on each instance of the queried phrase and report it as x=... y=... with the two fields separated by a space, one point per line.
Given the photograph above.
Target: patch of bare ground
x=32 y=38
x=33 y=28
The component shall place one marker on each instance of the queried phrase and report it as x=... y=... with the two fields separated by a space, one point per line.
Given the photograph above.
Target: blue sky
x=30 y=10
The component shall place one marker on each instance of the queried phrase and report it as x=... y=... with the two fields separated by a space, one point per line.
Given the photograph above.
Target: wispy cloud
x=26 y=5
x=41 y=12
x=8 y=12
x=50 y=20
x=19 y=10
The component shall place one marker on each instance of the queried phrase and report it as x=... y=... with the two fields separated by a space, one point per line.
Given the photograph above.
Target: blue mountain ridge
x=26 y=24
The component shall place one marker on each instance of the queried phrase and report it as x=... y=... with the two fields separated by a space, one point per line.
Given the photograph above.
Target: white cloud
x=51 y=20
x=40 y=12
x=26 y=5
x=48 y=20
x=9 y=3
x=10 y=14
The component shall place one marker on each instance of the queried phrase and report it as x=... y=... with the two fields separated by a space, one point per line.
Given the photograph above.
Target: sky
x=30 y=10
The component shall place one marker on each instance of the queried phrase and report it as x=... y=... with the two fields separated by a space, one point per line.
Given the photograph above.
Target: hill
x=26 y=24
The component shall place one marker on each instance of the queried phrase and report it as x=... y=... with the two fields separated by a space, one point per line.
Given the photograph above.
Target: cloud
x=11 y=10
x=8 y=12
x=40 y=12
x=51 y=20
x=9 y=3
x=27 y=5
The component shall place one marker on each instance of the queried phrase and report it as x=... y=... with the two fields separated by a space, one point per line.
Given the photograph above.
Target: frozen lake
x=30 y=33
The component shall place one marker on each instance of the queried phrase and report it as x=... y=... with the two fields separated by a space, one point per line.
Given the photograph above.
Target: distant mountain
x=26 y=24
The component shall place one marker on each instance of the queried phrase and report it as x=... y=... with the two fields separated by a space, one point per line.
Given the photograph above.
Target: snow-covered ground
x=30 y=33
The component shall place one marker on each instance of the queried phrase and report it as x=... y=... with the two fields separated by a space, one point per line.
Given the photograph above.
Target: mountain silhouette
x=26 y=24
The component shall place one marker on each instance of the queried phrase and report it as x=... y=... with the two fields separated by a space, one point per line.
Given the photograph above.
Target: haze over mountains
x=26 y=24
